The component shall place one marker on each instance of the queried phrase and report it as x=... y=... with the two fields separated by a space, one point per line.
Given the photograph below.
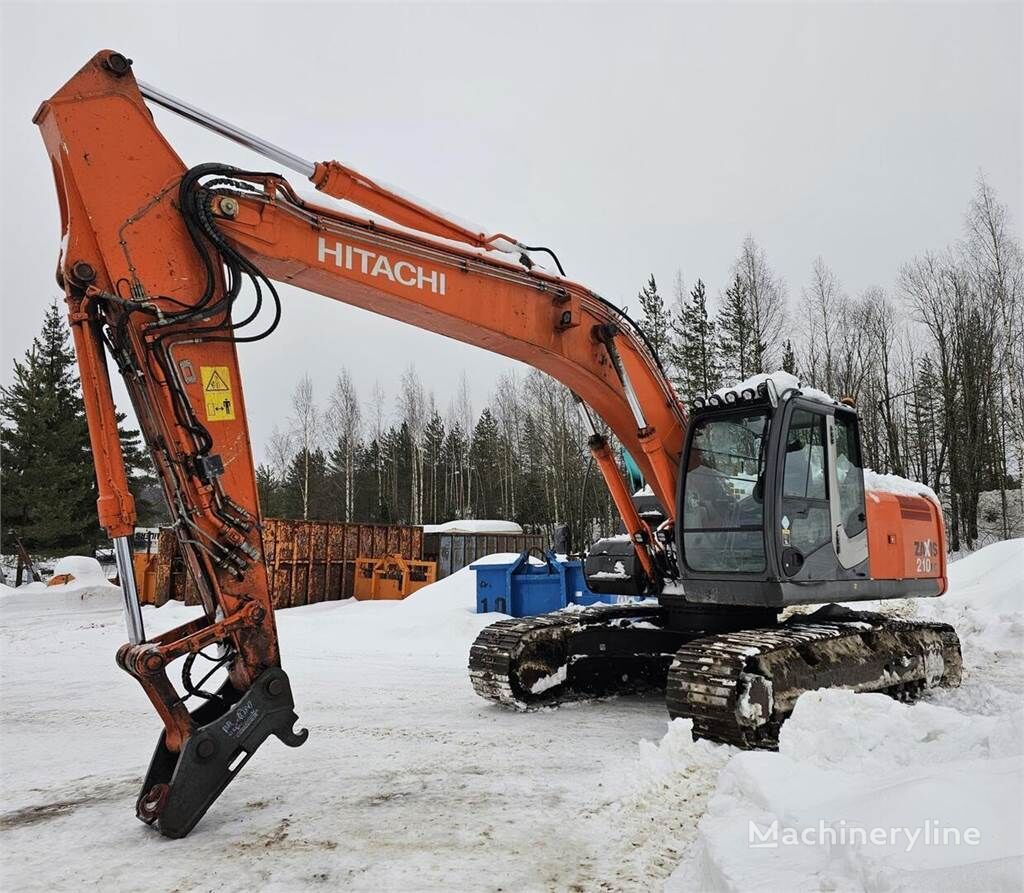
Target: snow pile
x=938 y=781
x=467 y=525
x=893 y=483
x=90 y=582
x=783 y=381
x=867 y=793
x=985 y=601
x=438 y=622
x=85 y=571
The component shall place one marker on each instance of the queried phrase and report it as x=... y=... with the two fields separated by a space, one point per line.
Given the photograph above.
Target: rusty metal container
x=315 y=561
x=307 y=561
x=454 y=551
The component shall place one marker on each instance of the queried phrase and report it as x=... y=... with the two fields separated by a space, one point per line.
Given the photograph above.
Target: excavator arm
x=168 y=268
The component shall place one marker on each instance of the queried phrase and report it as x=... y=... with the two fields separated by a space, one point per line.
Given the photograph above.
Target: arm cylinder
x=126 y=574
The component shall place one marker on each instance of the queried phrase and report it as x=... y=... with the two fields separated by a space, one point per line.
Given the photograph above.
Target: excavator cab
x=771 y=506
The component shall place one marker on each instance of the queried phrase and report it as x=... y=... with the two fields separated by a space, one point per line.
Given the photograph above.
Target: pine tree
x=485 y=466
x=696 y=352
x=789 y=358
x=433 y=468
x=656 y=322
x=736 y=333
x=272 y=499
x=150 y=508
x=369 y=496
x=306 y=492
x=49 y=487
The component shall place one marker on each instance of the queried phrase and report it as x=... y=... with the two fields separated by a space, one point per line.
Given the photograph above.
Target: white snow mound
x=89 y=582
x=917 y=777
x=903 y=774
x=467 y=525
x=985 y=601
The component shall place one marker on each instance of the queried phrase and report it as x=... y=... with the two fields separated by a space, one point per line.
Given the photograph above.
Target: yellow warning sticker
x=220 y=402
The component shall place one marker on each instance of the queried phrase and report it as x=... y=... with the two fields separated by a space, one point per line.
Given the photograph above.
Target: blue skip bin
x=524 y=589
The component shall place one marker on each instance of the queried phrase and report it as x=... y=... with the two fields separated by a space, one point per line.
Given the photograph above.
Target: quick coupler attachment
x=180 y=787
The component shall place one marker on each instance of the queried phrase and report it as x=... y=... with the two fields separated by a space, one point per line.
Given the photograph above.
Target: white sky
x=632 y=139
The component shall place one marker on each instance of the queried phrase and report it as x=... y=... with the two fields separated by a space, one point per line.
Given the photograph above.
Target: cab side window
x=850 y=473
x=805 y=521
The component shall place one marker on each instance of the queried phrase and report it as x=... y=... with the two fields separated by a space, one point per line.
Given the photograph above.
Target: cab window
x=805 y=521
x=850 y=473
x=723 y=498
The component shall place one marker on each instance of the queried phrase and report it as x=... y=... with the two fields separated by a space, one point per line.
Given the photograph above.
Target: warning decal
x=220 y=401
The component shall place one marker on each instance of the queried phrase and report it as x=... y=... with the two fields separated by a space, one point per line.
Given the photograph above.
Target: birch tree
x=344 y=421
x=305 y=422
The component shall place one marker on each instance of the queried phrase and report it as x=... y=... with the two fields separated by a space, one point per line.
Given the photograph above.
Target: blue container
x=523 y=589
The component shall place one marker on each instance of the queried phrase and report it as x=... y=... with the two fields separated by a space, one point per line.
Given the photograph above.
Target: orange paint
x=906 y=538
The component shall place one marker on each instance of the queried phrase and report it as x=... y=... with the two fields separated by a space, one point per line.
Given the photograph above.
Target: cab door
x=805 y=522
x=846 y=477
x=821 y=517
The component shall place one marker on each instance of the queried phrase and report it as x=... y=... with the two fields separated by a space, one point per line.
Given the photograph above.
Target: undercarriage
x=737 y=684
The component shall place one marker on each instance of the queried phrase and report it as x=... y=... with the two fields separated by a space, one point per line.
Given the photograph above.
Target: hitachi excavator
x=761 y=492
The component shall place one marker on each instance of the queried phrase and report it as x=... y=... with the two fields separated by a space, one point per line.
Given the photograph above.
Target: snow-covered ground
x=409 y=781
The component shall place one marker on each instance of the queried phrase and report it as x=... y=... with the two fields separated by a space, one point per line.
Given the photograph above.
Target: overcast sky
x=632 y=139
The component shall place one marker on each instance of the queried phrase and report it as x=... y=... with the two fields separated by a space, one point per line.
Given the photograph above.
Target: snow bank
x=439 y=622
x=86 y=571
x=467 y=525
x=985 y=601
x=863 y=761
x=90 y=582
x=901 y=774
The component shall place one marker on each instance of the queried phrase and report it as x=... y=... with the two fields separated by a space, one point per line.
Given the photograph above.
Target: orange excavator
x=760 y=493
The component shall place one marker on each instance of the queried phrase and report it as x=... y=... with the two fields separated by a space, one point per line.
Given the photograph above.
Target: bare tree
x=460 y=413
x=280 y=451
x=508 y=409
x=413 y=412
x=305 y=421
x=344 y=420
x=995 y=260
x=825 y=303
x=855 y=351
x=766 y=297
x=886 y=383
